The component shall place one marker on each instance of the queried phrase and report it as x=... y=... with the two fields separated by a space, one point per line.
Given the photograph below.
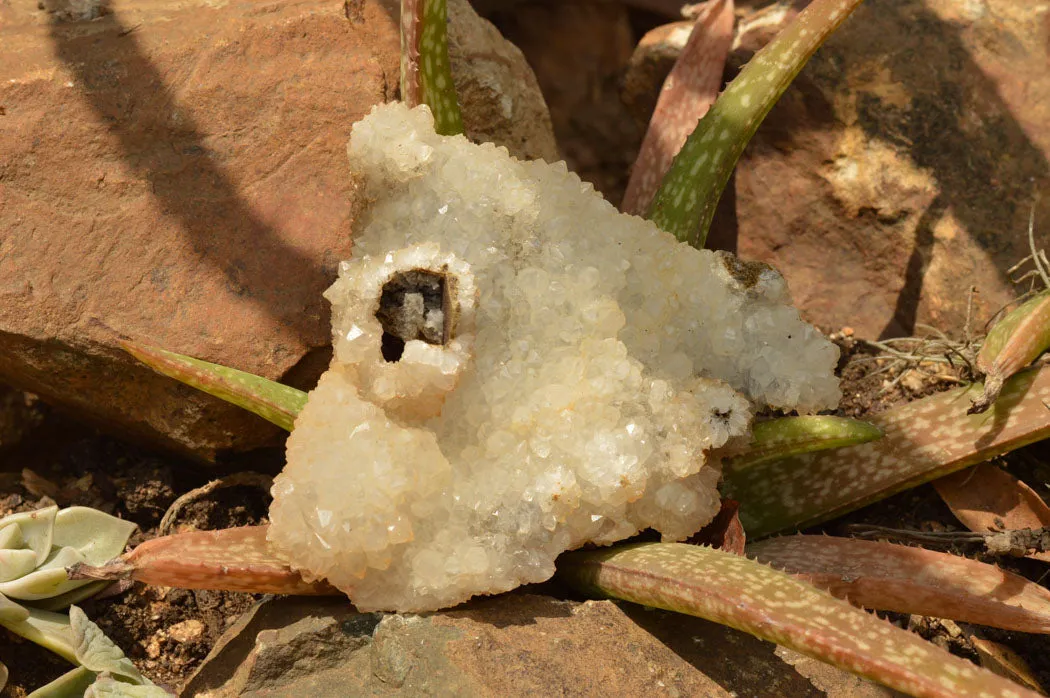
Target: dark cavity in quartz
x=412 y=306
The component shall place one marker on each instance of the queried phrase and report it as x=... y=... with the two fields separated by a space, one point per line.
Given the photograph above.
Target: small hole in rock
x=412 y=306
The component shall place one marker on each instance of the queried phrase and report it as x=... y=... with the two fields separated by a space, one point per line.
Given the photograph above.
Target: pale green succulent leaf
x=791 y=436
x=72 y=684
x=685 y=202
x=3 y=675
x=96 y=651
x=270 y=400
x=64 y=600
x=79 y=535
x=47 y=580
x=16 y=563
x=11 y=611
x=108 y=687
x=11 y=537
x=97 y=536
x=36 y=530
x=47 y=629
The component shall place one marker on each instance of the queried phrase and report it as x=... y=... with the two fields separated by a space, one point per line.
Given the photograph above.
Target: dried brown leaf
x=1002 y=660
x=986 y=498
x=892 y=577
x=725 y=531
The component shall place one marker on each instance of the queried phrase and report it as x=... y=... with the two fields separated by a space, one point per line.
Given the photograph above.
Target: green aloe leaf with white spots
x=270 y=400
x=739 y=592
x=922 y=441
x=775 y=439
x=685 y=202
x=426 y=72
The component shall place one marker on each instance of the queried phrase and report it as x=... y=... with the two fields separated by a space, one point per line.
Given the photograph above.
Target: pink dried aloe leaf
x=923 y=440
x=891 y=577
x=746 y=595
x=232 y=559
x=688 y=92
x=986 y=498
x=1005 y=662
x=685 y=202
x=426 y=72
x=272 y=401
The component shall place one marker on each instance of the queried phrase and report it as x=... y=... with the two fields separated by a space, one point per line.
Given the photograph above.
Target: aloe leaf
x=792 y=436
x=232 y=559
x=270 y=400
x=688 y=92
x=426 y=72
x=72 y=684
x=685 y=202
x=891 y=577
x=923 y=440
x=749 y=596
x=1016 y=341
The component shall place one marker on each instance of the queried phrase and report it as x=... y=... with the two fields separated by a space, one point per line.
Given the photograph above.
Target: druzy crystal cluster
x=519 y=369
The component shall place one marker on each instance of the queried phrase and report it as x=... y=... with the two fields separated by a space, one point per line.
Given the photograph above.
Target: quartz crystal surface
x=519 y=369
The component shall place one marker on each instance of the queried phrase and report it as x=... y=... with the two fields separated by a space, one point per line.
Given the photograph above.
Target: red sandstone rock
x=174 y=173
x=900 y=167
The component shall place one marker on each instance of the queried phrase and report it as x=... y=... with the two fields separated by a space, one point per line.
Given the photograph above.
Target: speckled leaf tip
x=779 y=438
x=1015 y=341
x=686 y=200
x=426 y=72
x=272 y=401
x=749 y=596
x=688 y=92
x=923 y=440
x=232 y=559
x=890 y=577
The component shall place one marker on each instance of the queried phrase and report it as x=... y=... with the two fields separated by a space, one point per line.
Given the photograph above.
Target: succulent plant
x=776 y=490
x=36 y=548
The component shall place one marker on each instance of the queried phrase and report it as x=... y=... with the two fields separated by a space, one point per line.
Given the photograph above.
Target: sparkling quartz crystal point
x=519 y=369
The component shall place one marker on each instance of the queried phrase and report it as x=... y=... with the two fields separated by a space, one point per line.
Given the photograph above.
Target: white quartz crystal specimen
x=519 y=369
